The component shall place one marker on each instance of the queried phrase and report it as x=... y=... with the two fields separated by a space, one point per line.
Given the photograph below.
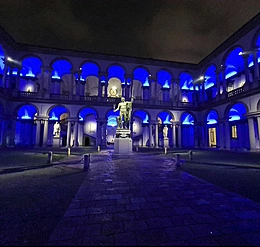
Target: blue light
x=85 y=112
x=89 y=69
x=165 y=117
x=164 y=78
x=142 y=115
x=186 y=81
x=2 y=55
x=187 y=119
x=146 y=83
x=237 y=112
x=141 y=75
x=27 y=112
x=234 y=63
x=212 y=117
x=56 y=112
x=210 y=77
x=116 y=71
x=60 y=68
x=31 y=66
x=111 y=118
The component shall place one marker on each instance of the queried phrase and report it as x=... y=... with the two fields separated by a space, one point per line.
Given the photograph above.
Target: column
x=38 y=133
x=76 y=133
x=173 y=135
x=246 y=70
x=45 y=132
x=69 y=134
x=4 y=76
x=251 y=134
x=217 y=81
x=98 y=132
x=227 y=135
x=179 y=136
x=150 y=135
x=258 y=126
x=256 y=66
x=172 y=90
x=178 y=90
x=104 y=134
x=223 y=68
x=18 y=79
x=100 y=86
x=156 y=135
x=196 y=136
x=72 y=83
x=221 y=135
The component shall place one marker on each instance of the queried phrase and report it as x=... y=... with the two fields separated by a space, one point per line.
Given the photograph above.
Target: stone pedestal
x=123 y=145
x=166 y=142
x=56 y=141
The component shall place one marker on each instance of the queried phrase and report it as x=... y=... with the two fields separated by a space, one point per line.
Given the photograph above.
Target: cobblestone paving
x=145 y=200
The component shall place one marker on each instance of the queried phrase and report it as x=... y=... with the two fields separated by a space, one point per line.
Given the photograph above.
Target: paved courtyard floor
x=145 y=199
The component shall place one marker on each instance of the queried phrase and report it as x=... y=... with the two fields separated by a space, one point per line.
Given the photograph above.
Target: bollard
x=49 y=157
x=68 y=151
x=178 y=162
x=86 y=162
x=98 y=148
x=165 y=150
x=190 y=155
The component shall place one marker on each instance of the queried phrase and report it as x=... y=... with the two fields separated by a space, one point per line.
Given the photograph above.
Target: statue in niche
x=56 y=129
x=165 y=131
x=125 y=108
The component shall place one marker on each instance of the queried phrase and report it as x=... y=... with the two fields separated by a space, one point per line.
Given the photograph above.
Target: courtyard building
x=213 y=104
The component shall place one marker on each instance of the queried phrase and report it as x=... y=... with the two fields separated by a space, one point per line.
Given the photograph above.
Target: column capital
x=100 y=73
x=46 y=68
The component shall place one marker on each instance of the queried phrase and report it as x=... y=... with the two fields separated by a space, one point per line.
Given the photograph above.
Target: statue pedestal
x=166 y=142
x=123 y=144
x=56 y=141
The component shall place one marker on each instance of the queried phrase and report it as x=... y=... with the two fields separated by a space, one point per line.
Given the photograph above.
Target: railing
x=59 y=96
x=235 y=91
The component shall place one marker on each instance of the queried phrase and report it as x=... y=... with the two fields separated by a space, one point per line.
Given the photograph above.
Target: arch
x=55 y=112
x=89 y=68
x=234 y=63
x=212 y=117
x=164 y=78
x=186 y=81
x=85 y=111
x=60 y=67
x=165 y=117
x=2 y=57
x=142 y=74
x=116 y=70
x=187 y=118
x=31 y=66
x=143 y=115
x=28 y=111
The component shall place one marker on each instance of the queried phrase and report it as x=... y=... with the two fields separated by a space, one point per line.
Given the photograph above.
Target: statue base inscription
x=123 y=144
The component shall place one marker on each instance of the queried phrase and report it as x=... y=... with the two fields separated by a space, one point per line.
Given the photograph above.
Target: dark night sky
x=176 y=30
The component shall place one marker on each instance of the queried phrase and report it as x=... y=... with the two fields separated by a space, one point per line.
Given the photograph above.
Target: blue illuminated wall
x=60 y=68
x=186 y=81
x=212 y=117
x=142 y=75
x=89 y=69
x=56 y=112
x=116 y=71
x=187 y=130
x=25 y=128
x=142 y=115
x=85 y=112
x=234 y=63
